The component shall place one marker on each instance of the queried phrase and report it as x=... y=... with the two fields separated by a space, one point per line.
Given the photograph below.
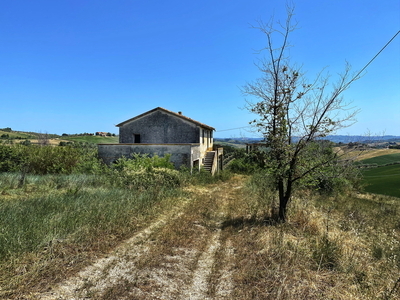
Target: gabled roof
x=169 y=112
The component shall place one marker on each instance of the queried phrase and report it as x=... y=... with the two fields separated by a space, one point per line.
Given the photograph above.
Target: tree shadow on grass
x=242 y=222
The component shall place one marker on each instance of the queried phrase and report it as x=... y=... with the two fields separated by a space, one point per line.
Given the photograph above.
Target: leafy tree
x=11 y=158
x=26 y=143
x=292 y=112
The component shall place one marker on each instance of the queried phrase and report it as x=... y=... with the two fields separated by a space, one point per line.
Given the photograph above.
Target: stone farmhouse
x=160 y=132
x=99 y=133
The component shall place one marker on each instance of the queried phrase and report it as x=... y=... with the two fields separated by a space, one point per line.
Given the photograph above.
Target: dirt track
x=175 y=257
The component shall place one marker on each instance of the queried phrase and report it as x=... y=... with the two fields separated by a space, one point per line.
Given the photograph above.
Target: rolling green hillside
x=16 y=135
x=54 y=139
x=383 y=180
x=92 y=139
x=381 y=160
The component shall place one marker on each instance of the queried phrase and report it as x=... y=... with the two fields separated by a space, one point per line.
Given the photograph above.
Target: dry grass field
x=377 y=152
x=53 y=142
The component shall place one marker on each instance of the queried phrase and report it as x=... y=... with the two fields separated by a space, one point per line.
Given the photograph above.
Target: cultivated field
x=384 y=178
x=377 y=152
x=92 y=139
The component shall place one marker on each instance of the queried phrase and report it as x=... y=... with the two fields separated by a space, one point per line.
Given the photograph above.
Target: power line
x=232 y=128
x=366 y=66
x=376 y=55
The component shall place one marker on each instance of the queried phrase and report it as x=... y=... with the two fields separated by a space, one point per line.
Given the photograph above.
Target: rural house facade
x=160 y=132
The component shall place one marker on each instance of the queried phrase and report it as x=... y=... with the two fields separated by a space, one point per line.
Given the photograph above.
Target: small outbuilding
x=159 y=132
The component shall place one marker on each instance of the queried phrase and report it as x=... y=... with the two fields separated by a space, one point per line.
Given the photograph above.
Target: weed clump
x=327 y=252
x=142 y=172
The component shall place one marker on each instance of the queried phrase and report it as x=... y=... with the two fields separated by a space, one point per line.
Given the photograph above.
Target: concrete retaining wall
x=181 y=154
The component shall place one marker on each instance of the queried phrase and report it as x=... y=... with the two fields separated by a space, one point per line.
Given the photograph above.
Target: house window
x=203 y=135
x=136 y=138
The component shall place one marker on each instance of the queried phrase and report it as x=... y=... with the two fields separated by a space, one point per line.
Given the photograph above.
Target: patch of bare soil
x=182 y=255
x=52 y=142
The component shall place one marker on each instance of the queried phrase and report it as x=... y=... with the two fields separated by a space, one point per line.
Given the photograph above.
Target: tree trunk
x=284 y=197
x=282 y=209
x=282 y=202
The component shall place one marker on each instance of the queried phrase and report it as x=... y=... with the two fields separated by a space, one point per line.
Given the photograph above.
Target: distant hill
x=243 y=140
x=345 y=139
x=54 y=139
x=8 y=133
x=16 y=135
x=362 y=139
x=92 y=139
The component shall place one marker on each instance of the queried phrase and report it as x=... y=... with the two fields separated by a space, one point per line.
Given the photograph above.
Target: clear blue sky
x=84 y=66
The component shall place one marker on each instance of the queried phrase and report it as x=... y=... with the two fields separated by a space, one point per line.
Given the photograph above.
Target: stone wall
x=159 y=128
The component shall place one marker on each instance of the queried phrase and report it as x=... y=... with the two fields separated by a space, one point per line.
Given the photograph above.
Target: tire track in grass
x=225 y=283
x=199 y=287
x=188 y=271
x=106 y=272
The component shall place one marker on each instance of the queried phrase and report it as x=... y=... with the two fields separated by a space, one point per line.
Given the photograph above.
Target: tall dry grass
x=50 y=225
x=341 y=247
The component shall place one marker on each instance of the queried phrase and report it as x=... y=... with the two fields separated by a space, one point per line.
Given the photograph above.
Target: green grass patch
x=53 y=222
x=30 y=224
x=16 y=135
x=92 y=139
x=381 y=160
x=383 y=180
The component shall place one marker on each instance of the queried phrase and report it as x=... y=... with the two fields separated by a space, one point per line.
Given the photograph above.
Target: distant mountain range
x=333 y=138
x=362 y=139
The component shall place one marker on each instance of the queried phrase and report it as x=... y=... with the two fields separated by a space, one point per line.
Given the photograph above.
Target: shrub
x=333 y=179
x=34 y=159
x=247 y=163
x=140 y=161
x=204 y=177
x=11 y=158
x=262 y=193
x=143 y=172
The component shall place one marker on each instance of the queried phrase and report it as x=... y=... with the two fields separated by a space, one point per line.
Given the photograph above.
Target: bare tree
x=293 y=113
x=43 y=139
